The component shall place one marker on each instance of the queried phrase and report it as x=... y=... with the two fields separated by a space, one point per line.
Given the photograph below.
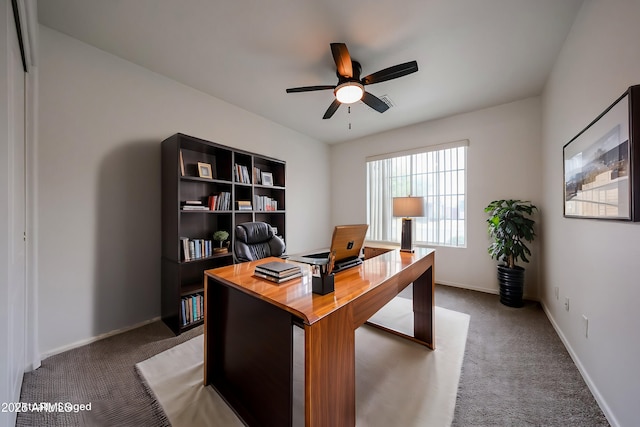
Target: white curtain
x=379 y=196
x=437 y=173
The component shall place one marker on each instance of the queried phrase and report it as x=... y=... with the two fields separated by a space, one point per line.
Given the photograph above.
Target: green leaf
x=509 y=227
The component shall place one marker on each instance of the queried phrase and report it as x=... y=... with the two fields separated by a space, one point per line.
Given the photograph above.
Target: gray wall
x=102 y=118
x=101 y=123
x=503 y=161
x=593 y=263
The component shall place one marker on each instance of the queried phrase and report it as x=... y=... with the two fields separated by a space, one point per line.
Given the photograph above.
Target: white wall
x=101 y=123
x=7 y=364
x=593 y=262
x=503 y=162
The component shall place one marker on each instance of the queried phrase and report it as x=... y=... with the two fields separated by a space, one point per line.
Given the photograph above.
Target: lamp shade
x=408 y=206
x=349 y=92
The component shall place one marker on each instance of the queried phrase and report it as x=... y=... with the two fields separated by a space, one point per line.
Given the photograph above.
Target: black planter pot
x=511 y=285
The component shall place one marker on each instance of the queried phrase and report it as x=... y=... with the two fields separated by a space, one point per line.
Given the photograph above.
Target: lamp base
x=405 y=243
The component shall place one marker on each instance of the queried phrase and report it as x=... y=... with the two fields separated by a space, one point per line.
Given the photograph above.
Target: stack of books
x=241 y=174
x=278 y=272
x=220 y=202
x=195 y=248
x=192 y=308
x=193 y=205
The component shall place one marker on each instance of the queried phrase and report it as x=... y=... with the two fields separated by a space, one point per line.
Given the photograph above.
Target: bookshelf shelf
x=235 y=175
x=191 y=289
x=203 y=259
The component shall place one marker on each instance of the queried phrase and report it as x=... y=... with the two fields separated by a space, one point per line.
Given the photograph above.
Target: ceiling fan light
x=349 y=92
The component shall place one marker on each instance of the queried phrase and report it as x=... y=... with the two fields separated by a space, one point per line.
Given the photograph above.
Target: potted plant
x=510 y=228
x=220 y=236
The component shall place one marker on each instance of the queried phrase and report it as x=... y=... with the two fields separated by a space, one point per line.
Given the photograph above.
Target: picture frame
x=267 y=178
x=204 y=170
x=600 y=164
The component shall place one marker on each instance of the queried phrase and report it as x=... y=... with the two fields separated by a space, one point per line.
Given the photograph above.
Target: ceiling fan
x=350 y=87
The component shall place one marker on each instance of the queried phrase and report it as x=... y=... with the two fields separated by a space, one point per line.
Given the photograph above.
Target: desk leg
x=424 y=308
x=330 y=391
x=249 y=355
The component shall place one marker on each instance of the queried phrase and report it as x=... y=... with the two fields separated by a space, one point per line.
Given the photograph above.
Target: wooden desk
x=248 y=342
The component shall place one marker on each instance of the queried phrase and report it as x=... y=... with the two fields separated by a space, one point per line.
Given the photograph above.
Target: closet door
x=13 y=180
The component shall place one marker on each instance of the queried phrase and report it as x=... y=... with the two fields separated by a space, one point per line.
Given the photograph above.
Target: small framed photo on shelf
x=267 y=178
x=204 y=170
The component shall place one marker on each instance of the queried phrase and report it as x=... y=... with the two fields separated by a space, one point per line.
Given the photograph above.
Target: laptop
x=346 y=243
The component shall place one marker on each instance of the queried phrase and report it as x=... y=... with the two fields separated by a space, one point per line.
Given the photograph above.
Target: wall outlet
x=556 y=292
x=585 y=321
x=566 y=303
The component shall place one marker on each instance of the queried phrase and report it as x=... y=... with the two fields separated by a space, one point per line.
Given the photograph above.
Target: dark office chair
x=256 y=240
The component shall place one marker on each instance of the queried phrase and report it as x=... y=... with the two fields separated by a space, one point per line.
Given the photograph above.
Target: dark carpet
x=516 y=372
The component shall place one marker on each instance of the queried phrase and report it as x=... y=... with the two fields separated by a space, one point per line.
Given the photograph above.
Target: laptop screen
x=346 y=243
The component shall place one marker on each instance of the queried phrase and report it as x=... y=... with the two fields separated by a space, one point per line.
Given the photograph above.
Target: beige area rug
x=398 y=382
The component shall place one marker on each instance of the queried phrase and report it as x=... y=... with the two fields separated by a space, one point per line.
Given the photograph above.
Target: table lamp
x=407 y=207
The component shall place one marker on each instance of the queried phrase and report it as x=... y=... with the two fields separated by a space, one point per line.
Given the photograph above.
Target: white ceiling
x=471 y=54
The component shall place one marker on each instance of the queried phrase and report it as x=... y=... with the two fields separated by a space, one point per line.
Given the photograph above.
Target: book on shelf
x=257 y=176
x=192 y=249
x=220 y=201
x=275 y=279
x=192 y=308
x=241 y=174
x=193 y=205
x=184 y=245
x=194 y=208
x=244 y=205
x=214 y=202
x=265 y=203
x=185 y=311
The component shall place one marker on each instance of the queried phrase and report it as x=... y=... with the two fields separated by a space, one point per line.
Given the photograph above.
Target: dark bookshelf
x=232 y=172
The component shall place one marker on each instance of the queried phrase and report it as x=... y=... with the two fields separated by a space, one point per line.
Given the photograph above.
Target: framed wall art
x=601 y=175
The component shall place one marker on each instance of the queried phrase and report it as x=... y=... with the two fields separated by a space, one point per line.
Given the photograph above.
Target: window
x=436 y=173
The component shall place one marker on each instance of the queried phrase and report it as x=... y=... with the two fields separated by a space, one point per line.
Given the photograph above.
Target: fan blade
x=342 y=59
x=332 y=109
x=391 y=73
x=374 y=102
x=309 y=88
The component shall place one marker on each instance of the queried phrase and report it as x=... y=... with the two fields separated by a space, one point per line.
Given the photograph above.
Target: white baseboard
x=585 y=375
x=485 y=290
x=471 y=288
x=96 y=338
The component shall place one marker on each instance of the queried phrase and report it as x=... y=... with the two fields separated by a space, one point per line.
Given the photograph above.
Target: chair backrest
x=256 y=240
